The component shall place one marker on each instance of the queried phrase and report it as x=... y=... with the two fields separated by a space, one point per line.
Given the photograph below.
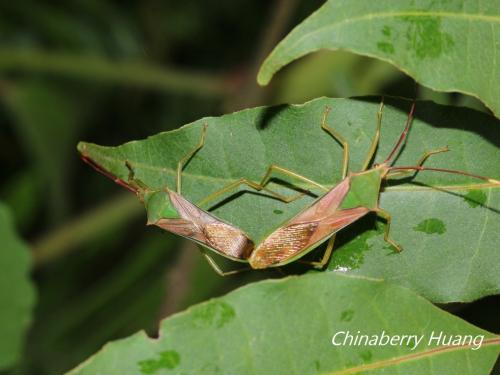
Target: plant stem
x=251 y=93
x=177 y=278
x=98 y=68
x=87 y=227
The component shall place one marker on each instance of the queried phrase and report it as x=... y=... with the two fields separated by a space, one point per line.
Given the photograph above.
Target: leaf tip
x=81 y=147
x=263 y=77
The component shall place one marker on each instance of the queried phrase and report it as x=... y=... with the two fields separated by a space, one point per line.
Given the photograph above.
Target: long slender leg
x=376 y=138
x=217 y=268
x=387 y=216
x=335 y=135
x=253 y=185
x=188 y=156
x=326 y=255
x=339 y=139
x=420 y=161
x=274 y=167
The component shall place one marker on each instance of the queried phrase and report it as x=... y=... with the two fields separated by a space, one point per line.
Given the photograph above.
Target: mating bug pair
x=355 y=196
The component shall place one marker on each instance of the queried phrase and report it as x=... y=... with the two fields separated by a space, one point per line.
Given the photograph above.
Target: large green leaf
x=16 y=292
x=457 y=262
x=445 y=45
x=287 y=326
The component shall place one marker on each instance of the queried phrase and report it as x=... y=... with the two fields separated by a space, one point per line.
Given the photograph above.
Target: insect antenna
x=454 y=171
x=109 y=175
x=403 y=135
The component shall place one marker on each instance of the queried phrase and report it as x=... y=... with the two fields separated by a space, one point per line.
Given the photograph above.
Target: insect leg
x=136 y=183
x=188 y=156
x=387 y=216
x=274 y=167
x=420 y=161
x=339 y=139
x=217 y=268
x=326 y=255
x=376 y=138
x=253 y=185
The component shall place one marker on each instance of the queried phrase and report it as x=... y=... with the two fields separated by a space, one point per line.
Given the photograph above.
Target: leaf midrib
x=411 y=357
x=302 y=185
x=370 y=16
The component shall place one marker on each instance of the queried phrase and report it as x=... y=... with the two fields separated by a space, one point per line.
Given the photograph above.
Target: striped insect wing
x=297 y=238
x=206 y=229
x=182 y=227
x=228 y=240
x=283 y=244
x=307 y=230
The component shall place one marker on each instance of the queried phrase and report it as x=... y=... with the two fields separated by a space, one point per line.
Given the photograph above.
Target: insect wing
x=326 y=205
x=336 y=222
x=212 y=232
x=187 y=210
x=297 y=238
x=283 y=244
x=330 y=202
x=228 y=240
x=182 y=227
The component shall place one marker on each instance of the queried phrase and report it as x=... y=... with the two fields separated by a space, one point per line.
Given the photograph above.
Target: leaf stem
x=89 y=226
x=98 y=68
x=251 y=93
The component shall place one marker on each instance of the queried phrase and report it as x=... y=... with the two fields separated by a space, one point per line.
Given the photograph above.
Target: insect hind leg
x=326 y=255
x=253 y=185
x=273 y=167
x=388 y=218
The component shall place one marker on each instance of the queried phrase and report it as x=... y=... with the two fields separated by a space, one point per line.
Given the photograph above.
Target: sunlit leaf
x=287 y=326
x=444 y=45
x=457 y=263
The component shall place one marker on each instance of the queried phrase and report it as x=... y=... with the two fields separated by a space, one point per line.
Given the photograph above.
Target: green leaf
x=460 y=264
x=445 y=45
x=17 y=294
x=287 y=326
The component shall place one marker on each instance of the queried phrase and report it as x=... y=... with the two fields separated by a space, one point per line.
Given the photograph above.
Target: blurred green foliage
x=109 y=72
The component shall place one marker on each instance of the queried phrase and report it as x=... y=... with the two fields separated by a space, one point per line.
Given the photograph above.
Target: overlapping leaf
x=286 y=327
x=445 y=45
x=447 y=224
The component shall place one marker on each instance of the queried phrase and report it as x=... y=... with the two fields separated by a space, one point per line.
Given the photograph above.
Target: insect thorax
x=364 y=189
x=159 y=206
